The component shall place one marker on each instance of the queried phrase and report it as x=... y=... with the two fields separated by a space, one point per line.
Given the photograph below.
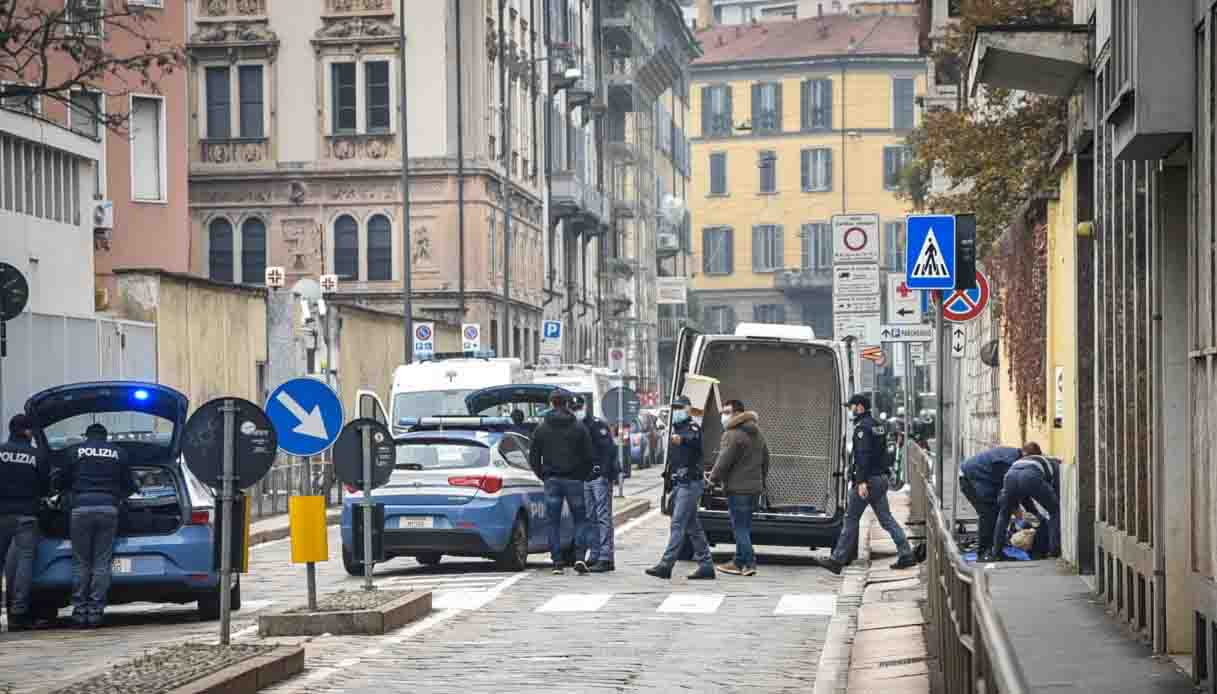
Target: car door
x=684 y=352
x=371 y=407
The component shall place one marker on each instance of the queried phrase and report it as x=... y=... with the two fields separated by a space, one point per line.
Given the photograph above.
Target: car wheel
x=354 y=568
x=515 y=555
x=429 y=558
x=44 y=611
x=209 y=603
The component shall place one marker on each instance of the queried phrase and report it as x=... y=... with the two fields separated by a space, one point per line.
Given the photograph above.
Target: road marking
x=691 y=603
x=636 y=522
x=819 y=604
x=461 y=599
x=576 y=602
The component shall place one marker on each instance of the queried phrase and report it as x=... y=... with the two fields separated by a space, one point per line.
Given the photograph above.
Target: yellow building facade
x=782 y=144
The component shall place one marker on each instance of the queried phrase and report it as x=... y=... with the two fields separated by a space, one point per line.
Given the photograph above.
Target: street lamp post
x=406 y=275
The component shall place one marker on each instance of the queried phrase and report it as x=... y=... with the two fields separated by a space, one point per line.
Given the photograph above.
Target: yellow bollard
x=310 y=541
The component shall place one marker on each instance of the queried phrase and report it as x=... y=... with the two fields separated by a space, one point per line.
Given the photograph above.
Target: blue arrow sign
x=930 y=252
x=307 y=414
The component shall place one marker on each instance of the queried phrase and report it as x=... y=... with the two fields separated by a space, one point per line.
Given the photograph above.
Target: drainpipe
x=551 y=227
x=583 y=269
x=844 y=208
x=505 y=120
x=460 y=156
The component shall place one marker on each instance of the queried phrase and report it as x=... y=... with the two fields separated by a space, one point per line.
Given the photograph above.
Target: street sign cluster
x=855 y=285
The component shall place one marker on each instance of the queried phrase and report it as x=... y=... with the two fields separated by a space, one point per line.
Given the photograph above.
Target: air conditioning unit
x=669 y=242
x=103 y=214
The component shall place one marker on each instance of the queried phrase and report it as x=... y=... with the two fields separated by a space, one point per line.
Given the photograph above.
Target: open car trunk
x=795 y=389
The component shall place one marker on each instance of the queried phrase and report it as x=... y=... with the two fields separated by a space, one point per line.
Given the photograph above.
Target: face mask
x=680 y=417
x=724 y=418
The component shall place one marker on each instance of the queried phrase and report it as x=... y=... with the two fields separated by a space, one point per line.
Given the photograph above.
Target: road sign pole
x=3 y=354
x=230 y=416
x=620 y=444
x=956 y=441
x=312 y=586
x=941 y=348
x=367 y=508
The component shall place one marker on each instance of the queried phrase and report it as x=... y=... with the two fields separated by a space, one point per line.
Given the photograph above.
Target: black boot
x=602 y=567
x=905 y=562
x=660 y=571
x=705 y=572
x=831 y=564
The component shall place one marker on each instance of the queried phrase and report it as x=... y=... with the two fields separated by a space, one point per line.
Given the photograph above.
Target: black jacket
x=98 y=474
x=24 y=478
x=869 y=448
x=562 y=447
x=605 y=464
x=685 y=458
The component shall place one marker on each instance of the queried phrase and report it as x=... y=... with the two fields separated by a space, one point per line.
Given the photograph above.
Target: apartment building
x=709 y=13
x=797 y=122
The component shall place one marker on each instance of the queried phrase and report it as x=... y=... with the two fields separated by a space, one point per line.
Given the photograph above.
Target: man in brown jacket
x=742 y=466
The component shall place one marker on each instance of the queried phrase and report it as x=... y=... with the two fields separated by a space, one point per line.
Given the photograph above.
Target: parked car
x=163 y=552
x=462 y=486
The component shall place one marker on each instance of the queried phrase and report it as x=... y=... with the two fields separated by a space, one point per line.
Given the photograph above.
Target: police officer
x=561 y=455
x=24 y=479
x=1030 y=477
x=598 y=491
x=980 y=480
x=98 y=480
x=868 y=474
x=685 y=472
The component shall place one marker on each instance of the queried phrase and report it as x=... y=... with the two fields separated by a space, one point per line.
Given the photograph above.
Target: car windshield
x=122 y=426
x=427 y=403
x=428 y=455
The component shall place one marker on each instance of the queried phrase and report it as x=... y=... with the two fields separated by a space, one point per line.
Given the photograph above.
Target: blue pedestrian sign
x=307 y=414
x=552 y=330
x=930 y=252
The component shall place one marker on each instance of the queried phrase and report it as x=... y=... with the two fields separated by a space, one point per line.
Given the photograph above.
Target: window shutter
x=805 y=168
x=758 y=248
x=707 y=251
x=805 y=114
x=249 y=80
x=777 y=107
x=729 y=250
x=758 y=313
x=728 y=112
x=219 y=124
x=828 y=169
x=781 y=314
x=826 y=102
x=779 y=248
x=756 y=106
x=889 y=156
x=707 y=109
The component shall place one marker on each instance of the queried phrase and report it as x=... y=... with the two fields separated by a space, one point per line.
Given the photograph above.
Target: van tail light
x=202 y=517
x=487 y=483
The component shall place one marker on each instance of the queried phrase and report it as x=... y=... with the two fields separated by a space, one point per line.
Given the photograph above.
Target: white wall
x=427 y=37
x=296 y=73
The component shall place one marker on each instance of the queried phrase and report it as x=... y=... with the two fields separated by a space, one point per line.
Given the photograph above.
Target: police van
x=592 y=382
x=439 y=386
x=797 y=386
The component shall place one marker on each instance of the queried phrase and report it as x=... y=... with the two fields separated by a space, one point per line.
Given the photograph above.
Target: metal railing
x=293 y=477
x=974 y=651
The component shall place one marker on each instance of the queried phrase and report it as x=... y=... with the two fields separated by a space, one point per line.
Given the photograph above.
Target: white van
x=427 y=388
x=797 y=385
x=592 y=382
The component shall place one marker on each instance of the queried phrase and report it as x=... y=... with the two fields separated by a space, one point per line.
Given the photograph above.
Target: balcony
x=561 y=59
x=630 y=24
x=620 y=81
x=1040 y=59
x=583 y=90
x=667 y=241
x=573 y=200
x=803 y=281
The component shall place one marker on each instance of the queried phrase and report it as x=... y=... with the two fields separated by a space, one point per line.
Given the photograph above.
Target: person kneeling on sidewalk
x=742 y=466
x=869 y=477
x=684 y=462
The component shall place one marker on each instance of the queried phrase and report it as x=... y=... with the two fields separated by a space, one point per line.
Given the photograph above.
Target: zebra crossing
x=790 y=605
x=452 y=592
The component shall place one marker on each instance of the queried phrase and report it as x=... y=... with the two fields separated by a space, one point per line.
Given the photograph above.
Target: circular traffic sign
x=423 y=332
x=14 y=292
x=471 y=332
x=965 y=304
x=255 y=443
x=630 y=405
x=855 y=238
x=307 y=414
x=348 y=453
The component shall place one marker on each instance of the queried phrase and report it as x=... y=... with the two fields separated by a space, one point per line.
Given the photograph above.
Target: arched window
x=380 y=248
x=219 y=254
x=346 y=247
x=253 y=251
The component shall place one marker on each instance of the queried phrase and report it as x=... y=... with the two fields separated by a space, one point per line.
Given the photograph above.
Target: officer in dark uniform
x=24 y=479
x=868 y=474
x=98 y=481
x=598 y=490
x=685 y=472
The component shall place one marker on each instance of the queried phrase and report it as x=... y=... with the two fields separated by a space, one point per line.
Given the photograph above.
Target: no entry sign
x=965 y=304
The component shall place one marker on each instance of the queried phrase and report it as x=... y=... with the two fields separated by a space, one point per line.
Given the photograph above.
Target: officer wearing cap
x=598 y=491
x=685 y=472
x=24 y=480
x=868 y=475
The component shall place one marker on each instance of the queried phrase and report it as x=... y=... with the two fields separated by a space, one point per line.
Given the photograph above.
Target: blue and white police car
x=462 y=487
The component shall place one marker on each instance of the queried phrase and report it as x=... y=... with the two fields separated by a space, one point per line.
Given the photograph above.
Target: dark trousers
x=685 y=523
x=986 y=511
x=92 y=531
x=877 y=499
x=558 y=490
x=1026 y=483
x=740 y=508
x=21 y=533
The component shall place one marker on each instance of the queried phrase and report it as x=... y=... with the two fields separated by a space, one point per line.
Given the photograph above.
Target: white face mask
x=726 y=417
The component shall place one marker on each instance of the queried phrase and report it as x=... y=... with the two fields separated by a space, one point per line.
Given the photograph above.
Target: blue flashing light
x=140 y=395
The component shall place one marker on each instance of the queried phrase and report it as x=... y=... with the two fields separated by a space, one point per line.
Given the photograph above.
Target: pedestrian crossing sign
x=930 y=252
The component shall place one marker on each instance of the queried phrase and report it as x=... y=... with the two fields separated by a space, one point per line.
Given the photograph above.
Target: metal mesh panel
x=794 y=390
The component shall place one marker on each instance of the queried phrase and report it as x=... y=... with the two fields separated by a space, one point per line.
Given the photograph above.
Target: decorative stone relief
x=492 y=41
x=373 y=147
x=345 y=6
x=217 y=8
x=251 y=7
x=297 y=192
x=357 y=27
x=302 y=239
x=238 y=196
x=422 y=245
x=234 y=33
x=235 y=151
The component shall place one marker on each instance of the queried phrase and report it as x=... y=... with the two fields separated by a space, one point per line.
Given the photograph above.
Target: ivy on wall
x=1020 y=266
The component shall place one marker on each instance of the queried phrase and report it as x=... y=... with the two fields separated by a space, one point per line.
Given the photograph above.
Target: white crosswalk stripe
x=576 y=602
x=790 y=605
x=819 y=604
x=691 y=603
x=452 y=592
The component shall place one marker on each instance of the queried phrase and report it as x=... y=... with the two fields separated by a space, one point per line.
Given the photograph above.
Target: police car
x=163 y=552
x=462 y=487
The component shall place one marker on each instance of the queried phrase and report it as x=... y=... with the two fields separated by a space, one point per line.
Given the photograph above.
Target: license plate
x=121 y=566
x=415 y=522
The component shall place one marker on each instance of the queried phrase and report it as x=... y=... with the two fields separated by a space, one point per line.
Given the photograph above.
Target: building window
x=902 y=103
x=253 y=251
x=249 y=86
x=29 y=103
x=85 y=16
x=380 y=248
x=766 y=248
x=769 y=313
x=717 y=251
x=767 y=108
x=718 y=173
x=817 y=104
x=346 y=248
x=219 y=104
x=249 y=81
x=147 y=149
x=817 y=246
x=893 y=245
x=767 y=165
x=377 y=76
x=716 y=111
x=719 y=320
x=894 y=161
x=954 y=8
x=84 y=115
x=345 y=95
x=219 y=250
x=816 y=167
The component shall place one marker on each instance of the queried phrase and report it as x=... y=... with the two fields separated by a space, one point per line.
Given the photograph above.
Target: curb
x=833 y=672
x=376 y=621
x=630 y=509
x=250 y=676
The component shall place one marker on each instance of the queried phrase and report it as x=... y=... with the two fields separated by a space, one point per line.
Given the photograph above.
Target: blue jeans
x=21 y=532
x=1021 y=484
x=598 y=496
x=557 y=490
x=685 y=523
x=740 y=507
x=877 y=499
x=92 y=532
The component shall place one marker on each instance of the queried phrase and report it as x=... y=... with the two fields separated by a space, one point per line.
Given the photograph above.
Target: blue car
x=163 y=552
x=462 y=487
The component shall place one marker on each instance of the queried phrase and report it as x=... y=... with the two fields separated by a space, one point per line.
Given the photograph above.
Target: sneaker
x=905 y=562
x=731 y=568
x=80 y=621
x=602 y=567
x=705 y=572
x=750 y=571
x=660 y=571
x=94 y=621
x=559 y=570
x=832 y=565
x=581 y=567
